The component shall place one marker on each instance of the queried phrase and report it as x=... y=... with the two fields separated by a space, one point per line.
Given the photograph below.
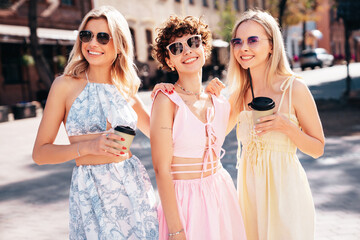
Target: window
x=149 y=43
x=134 y=41
x=205 y=3
x=11 y=63
x=67 y=2
x=192 y=2
x=177 y=0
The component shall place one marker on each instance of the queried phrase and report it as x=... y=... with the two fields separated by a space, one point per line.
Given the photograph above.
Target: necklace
x=189 y=92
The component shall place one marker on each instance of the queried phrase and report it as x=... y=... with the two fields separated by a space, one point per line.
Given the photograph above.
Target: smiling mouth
x=246 y=57
x=190 y=60
x=95 y=53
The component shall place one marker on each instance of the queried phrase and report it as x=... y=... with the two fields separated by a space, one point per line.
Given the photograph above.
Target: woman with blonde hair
x=111 y=196
x=275 y=197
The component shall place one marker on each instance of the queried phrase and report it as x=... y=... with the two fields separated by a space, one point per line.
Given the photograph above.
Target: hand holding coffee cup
x=127 y=133
x=261 y=107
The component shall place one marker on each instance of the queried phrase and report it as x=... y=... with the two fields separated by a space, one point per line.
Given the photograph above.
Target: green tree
x=227 y=21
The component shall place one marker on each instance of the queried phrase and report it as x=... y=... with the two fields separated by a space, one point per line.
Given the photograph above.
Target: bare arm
x=45 y=151
x=234 y=113
x=161 y=124
x=143 y=116
x=310 y=140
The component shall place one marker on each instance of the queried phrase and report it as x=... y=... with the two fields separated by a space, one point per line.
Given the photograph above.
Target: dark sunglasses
x=101 y=37
x=177 y=48
x=252 y=41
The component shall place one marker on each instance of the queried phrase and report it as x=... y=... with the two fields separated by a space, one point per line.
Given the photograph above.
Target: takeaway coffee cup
x=261 y=106
x=127 y=133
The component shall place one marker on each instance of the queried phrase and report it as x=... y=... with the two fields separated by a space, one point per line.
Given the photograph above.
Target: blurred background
x=322 y=39
x=36 y=37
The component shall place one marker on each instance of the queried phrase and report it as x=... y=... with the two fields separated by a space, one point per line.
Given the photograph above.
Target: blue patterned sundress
x=108 y=201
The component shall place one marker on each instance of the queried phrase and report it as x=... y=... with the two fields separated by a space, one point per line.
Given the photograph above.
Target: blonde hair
x=123 y=71
x=277 y=61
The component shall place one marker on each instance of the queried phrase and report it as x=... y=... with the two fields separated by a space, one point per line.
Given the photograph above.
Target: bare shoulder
x=162 y=99
x=300 y=88
x=301 y=94
x=65 y=82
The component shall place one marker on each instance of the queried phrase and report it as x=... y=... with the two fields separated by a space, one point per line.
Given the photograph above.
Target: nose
x=187 y=49
x=244 y=46
x=93 y=41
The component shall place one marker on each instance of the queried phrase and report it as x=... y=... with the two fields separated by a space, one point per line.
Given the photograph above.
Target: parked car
x=317 y=57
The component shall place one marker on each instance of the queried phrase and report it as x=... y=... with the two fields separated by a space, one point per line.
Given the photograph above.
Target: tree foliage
x=294 y=11
x=227 y=21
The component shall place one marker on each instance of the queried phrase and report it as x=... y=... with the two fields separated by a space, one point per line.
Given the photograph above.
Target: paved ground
x=34 y=199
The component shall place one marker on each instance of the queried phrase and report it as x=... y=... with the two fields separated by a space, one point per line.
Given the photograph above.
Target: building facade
x=57 y=21
x=144 y=16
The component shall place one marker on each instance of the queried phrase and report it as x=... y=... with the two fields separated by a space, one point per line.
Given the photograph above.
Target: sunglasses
x=177 y=48
x=86 y=36
x=252 y=41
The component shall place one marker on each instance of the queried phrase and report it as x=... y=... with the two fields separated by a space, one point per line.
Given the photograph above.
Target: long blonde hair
x=123 y=71
x=277 y=63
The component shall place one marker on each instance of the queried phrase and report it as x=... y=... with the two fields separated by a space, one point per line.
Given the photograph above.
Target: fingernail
x=171 y=91
x=124 y=148
x=117 y=155
x=121 y=152
x=166 y=90
x=122 y=139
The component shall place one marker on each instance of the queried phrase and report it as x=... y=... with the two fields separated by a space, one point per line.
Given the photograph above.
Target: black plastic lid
x=125 y=129
x=262 y=104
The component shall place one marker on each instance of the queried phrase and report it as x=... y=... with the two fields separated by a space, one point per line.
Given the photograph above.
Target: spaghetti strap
x=290 y=94
x=283 y=87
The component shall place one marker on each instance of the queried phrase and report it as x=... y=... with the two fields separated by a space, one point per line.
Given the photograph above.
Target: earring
x=172 y=68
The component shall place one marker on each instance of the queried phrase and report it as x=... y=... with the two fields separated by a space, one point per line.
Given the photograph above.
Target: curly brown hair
x=176 y=27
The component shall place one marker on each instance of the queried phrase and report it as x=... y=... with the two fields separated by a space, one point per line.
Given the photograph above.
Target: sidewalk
x=34 y=199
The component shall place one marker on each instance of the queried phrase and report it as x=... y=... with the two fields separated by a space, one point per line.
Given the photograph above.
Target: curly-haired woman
x=187 y=130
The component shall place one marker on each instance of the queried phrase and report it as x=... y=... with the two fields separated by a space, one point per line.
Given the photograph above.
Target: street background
x=34 y=199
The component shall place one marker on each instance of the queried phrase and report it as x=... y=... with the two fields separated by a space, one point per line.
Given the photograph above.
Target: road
x=34 y=199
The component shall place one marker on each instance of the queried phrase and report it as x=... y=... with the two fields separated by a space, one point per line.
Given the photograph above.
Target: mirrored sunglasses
x=252 y=41
x=101 y=37
x=177 y=48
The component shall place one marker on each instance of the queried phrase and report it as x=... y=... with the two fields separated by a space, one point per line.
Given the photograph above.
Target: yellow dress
x=274 y=193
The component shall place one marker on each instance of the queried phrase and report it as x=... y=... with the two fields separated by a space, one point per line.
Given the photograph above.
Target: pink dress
x=208 y=206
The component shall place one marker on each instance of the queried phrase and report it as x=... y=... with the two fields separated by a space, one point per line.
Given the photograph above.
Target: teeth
x=246 y=58
x=95 y=53
x=190 y=60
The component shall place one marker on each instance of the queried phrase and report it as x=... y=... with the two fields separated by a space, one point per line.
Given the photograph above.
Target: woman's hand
x=167 y=87
x=214 y=87
x=275 y=122
x=106 y=145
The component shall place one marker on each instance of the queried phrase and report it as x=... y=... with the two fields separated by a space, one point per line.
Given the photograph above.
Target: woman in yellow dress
x=275 y=197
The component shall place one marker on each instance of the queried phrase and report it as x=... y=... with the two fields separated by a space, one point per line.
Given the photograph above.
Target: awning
x=18 y=34
x=220 y=43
